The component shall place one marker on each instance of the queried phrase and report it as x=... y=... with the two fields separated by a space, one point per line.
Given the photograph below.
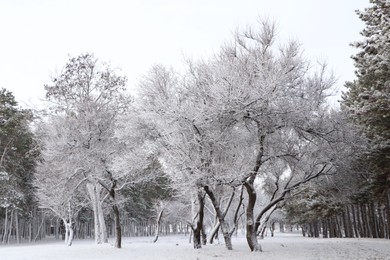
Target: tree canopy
x=367 y=99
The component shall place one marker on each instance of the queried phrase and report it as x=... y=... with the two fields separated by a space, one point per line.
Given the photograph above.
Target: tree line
x=240 y=140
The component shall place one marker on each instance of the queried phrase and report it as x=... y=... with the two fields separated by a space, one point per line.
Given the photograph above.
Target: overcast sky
x=37 y=36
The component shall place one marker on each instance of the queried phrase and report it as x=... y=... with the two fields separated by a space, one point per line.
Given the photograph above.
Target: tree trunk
x=204 y=235
x=5 y=226
x=196 y=238
x=324 y=228
x=118 y=232
x=264 y=225
x=355 y=222
x=30 y=231
x=381 y=222
x=158 y=225
x=250 y=224
x=199 y=223
x=10 y=226
x=387 y=207
x=366 y=227
x=345 y=221
x=221 y=217
x=373 y=220
x=248 y=183
x=71 y=234
x=100 y=225
x=214 y=232
x=103 y=228
x=236 y=213
x=350 y=221
x=68 y=232
x=17 y=227
x=39 y=228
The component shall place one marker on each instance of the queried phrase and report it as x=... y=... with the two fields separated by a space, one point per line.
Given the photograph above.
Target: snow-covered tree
x=58 y=184
x=88 y=96
x=17 y=161
x=227 y=118
x=367 y=99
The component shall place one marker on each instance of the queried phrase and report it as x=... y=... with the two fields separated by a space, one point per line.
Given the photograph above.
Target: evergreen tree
x=367 y=99
x=18 y=155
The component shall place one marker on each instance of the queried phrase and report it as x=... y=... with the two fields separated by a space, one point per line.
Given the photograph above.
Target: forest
x=245 y=140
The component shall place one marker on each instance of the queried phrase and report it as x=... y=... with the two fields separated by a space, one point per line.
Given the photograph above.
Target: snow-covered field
x=282 y=246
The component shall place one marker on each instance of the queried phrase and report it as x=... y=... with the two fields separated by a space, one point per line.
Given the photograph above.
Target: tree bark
x=10 y=226
x=103 y=228
x=69 y=233
x=236 y=213
x=17 y=227
x=111 y=192
x=158 y=225
x=39 y=228
x=265 y=223
x=365 y=226
x=221 y=217
x=355 y=222
x=324 y=228
x=5 y=226
x=373 y=220
x=30 y=231
x=100 y=225
x=250 y=224
x=199 y=223
x=118 y=231
x=248 y=184
x=387 y=207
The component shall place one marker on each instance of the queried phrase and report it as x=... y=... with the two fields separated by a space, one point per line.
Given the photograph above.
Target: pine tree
x=367 y=99
x=18 y=156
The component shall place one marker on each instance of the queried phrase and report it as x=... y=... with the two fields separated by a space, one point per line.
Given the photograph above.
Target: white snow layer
x=283 y=246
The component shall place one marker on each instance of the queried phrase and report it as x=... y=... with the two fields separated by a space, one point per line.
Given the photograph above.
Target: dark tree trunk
x=281 y=227
x=355 y=222
x=250 y=223
x=373 y=220
x=118 y=231
x=351 y=217
x=387 y=207
x=315 y=229
x=196 y=239
x=332 y=229
x=248 y=183
x=199 y=223
x=303 y=230
x=324 y=228
x=366 y=227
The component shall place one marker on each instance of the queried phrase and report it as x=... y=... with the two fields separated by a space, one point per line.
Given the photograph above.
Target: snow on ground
x=283 y=246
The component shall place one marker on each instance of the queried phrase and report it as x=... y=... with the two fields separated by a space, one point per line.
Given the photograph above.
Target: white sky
x=37 y=36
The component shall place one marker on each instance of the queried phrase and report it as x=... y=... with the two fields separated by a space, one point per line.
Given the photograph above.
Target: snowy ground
x=283 y=246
